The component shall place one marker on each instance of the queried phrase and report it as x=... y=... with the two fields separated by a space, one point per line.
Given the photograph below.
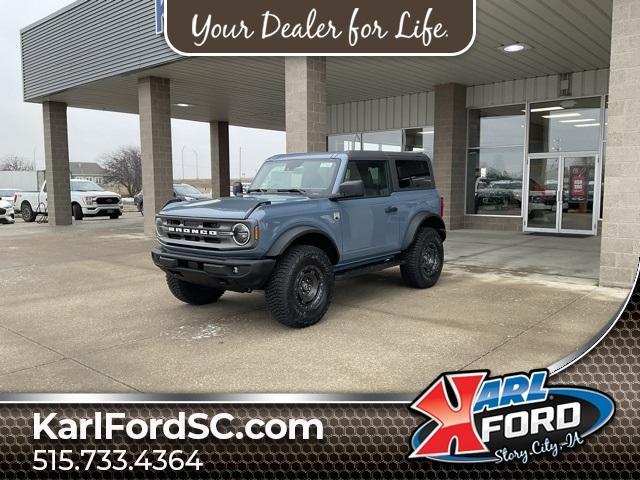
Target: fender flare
x=418 y=220
x=285 y=240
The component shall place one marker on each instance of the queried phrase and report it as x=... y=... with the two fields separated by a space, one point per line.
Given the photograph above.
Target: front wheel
x=300 y=289
x=114 y=216
x=423 y=260
x=28 y=215
x=77 y=212
x=191 y=293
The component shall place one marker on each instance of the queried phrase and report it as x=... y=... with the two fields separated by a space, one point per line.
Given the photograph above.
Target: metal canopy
x=567 y=36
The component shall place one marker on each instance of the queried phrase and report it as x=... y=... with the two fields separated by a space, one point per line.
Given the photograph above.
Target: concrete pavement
x=83 y=309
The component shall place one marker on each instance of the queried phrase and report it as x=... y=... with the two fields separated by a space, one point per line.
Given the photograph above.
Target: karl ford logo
x=330 y=27
x=473 y=418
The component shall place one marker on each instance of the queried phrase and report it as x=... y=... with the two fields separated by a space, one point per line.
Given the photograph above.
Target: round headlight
x=159 y=227
x=241 y=234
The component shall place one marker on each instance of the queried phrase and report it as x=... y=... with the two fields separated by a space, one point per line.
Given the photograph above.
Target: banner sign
x=332 y=27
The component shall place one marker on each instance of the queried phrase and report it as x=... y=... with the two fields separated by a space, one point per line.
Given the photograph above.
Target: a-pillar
x=306 y=104
x=220 y=160
x=154 y=97
x=56 y=152
x=449 y=157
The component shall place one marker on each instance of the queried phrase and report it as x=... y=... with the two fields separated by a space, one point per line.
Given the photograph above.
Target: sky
x=92 y=134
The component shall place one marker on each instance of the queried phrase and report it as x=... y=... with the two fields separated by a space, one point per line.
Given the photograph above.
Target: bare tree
x=15 y=163
x=124 y=168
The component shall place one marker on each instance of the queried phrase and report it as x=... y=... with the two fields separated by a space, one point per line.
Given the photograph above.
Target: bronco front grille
x=196 y=232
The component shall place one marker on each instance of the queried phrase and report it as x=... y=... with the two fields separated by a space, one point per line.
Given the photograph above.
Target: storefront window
x=495 y=160
x=387 y=141
x=344 y=143
x=571 y=125
x=419 y=140
x=415 y=140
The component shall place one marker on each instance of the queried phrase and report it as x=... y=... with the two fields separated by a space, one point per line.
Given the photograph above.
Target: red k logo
x=452 y=422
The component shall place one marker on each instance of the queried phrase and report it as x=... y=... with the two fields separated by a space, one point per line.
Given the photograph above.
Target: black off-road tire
x=114 y=216
x=77 y=212
x=423 y=260
x=191 y=293
x=28 y=215
x=292 y=298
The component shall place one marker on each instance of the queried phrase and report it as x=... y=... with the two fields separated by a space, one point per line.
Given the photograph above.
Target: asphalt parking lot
x=83 y=309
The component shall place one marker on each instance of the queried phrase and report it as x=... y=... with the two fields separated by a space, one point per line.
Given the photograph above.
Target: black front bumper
x=236 y=274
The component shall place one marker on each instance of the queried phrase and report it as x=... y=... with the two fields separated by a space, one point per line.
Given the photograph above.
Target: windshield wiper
x=291 y=190
x=257 y=190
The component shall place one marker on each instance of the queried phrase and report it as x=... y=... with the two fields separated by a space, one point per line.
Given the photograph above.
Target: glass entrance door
x=561 y=195
x=578 y=195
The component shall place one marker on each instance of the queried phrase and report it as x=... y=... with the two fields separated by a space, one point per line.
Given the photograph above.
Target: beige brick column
x=306 y=104
x=56 y=152
x=621 y=216
x=220 y=159
x=449 y=156
x=155 y=138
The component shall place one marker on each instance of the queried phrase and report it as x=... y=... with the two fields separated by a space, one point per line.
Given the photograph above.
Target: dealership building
x=536 y=128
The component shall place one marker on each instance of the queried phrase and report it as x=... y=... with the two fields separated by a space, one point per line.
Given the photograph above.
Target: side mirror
x=352 y=189
x=237 y=189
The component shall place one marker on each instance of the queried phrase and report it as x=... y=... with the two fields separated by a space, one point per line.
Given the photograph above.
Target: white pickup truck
x=88 y=199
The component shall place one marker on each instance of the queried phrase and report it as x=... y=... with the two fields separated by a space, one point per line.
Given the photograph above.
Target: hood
x=227 y=208
x=5 y=204
x=97 y=193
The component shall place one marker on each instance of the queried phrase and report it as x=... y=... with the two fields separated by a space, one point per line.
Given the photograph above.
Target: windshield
x=85 y=186
x=313 y=176
x=186 y=190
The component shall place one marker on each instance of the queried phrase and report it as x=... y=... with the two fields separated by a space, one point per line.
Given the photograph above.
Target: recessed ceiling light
x=580 y=120
x=561 y=115
x=514 y=47
x=545 y=109
x=183 y=105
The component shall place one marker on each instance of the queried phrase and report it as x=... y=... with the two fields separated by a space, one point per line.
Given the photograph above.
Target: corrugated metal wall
x=592 y=82
x=403 y=111
x=417 y=110
x=93 y=39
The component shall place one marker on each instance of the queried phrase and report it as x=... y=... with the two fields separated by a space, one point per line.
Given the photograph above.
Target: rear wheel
x=423 y=260
x=28 y=215
x=77 y=212
x=300 y=289
x=191 y=293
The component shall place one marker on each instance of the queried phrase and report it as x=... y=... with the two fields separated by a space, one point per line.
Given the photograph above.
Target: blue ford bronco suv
x=305 y=221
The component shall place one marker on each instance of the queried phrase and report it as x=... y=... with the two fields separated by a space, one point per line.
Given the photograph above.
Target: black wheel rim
x=309 y=287
x=430 y=259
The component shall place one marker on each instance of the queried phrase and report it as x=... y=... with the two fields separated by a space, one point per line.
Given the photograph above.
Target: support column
x=449 y=157
x=220 y=181
x=620 y=246
x=154 y=99
x=306 y=104
x=56 y=152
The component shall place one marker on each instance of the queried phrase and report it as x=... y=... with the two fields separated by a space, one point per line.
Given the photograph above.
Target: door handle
x=391 y=210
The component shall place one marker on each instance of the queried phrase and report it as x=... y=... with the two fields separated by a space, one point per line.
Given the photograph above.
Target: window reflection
x=419 y=140
x=386 y=141
x=495 y=160
x=571 y=125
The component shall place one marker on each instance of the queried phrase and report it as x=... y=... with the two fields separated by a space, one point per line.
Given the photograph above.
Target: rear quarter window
x=413 y=174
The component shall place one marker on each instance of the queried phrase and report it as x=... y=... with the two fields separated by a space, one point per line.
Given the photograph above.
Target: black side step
x=372 y=268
